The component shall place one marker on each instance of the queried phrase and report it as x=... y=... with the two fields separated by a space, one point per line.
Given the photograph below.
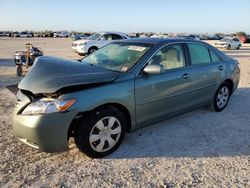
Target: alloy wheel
x=222 y=97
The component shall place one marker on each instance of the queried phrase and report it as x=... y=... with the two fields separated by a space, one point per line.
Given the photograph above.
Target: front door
x=160 y=95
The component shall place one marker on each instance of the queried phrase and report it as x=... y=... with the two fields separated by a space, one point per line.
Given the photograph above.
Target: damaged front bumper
x=46 y=132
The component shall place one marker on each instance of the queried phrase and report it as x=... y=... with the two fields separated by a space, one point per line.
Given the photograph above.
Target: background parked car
x=15 y=34
x=228 y=43
x=48 y=34
x=61 y=34
x=80 y=36
x=25 y=34
x=96 y=41
x=214 y=38
x=193 y=37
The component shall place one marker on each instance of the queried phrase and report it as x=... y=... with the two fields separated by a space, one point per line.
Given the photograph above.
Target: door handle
x=185 y=76
x=221 y=68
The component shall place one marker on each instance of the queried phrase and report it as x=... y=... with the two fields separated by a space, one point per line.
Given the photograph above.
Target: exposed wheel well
x=231 y=85
x=120 y=107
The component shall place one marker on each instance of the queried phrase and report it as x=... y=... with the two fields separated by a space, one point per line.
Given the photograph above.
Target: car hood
x=50 y=74
x=81 y=41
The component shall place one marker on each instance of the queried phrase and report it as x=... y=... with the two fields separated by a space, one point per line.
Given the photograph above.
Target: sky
x=177 y=16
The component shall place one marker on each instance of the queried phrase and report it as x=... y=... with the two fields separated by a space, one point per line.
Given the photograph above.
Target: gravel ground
x=197 y=149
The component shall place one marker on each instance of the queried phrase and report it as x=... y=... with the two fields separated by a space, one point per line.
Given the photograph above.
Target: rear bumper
x=48 y=133
x=236 y=80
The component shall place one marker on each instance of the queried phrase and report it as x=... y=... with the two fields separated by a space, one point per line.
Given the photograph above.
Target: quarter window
x=199 y=54
x=214 y=57
x=169 y=57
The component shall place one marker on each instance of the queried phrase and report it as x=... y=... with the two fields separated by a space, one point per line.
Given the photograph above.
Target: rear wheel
x=221 y=97
x=101 y=132
x=238 y=47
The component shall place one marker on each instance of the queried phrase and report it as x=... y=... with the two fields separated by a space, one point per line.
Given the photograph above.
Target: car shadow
x=200 y=133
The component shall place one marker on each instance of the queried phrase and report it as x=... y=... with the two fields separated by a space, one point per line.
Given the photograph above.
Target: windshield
x=94 y=37
x=117 y=57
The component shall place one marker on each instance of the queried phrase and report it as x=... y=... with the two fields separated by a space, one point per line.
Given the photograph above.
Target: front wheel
x=229 y=47
x=101 y=132
x=92 y=50
x=221 y=97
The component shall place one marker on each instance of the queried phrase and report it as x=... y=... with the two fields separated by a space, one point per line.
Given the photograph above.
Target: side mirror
x=152 y=69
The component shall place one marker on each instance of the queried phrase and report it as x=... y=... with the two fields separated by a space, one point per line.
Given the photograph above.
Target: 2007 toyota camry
x=121 y=87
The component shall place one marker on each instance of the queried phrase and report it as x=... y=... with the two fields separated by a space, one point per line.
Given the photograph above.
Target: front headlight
x=48 y=105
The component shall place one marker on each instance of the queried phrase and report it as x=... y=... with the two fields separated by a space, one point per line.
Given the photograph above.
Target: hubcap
x=222 y=97
x=92 y=50
x=105 y=134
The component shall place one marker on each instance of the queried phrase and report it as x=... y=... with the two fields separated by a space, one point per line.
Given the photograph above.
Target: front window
x=169 y=57
x=94 y=37
x=117 y=57
x=107 y=37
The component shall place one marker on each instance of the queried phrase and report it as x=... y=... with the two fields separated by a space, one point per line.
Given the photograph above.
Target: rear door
x=207 y=69
x=166 y=93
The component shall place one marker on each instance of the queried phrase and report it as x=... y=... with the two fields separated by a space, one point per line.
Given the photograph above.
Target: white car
x=193 y=37
x=25 y=35
x=61 y=34
x=96 y=41
x=228 y=43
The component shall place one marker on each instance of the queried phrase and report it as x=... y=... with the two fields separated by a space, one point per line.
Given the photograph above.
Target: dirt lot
x=197 y=149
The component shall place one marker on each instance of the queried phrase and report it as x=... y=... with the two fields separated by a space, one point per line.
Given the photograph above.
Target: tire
x=93 y=134
x=238 y=47
x=92 y=50
x=19 y=70
x=221 y=97
x=229 y=47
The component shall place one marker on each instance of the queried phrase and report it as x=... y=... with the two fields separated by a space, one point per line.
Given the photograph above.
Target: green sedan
x=122 y=87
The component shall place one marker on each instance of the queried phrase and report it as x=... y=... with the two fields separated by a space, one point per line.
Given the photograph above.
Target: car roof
x=156 y=41
x=111 y=32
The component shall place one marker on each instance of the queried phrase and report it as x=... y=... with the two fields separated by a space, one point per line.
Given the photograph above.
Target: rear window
x=214 y=57
x=199 y=54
